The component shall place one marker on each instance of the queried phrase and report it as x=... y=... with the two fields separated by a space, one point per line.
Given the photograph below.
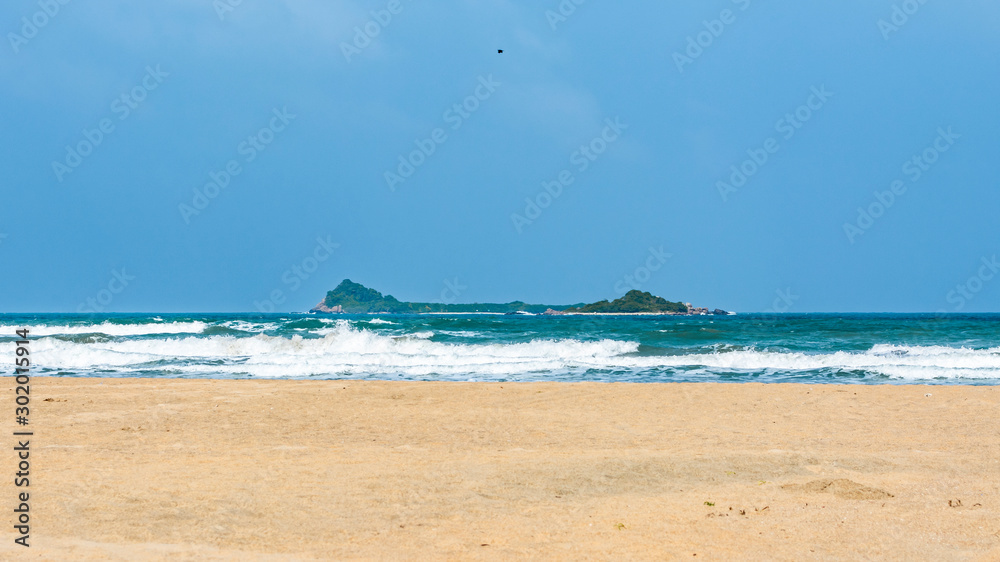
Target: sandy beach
x=132 y=469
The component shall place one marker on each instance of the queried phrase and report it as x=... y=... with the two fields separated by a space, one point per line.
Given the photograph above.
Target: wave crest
x=112 y=329
x=348 y=351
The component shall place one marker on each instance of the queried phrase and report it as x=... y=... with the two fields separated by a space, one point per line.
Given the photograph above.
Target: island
x=634 y=301
x=354 y=298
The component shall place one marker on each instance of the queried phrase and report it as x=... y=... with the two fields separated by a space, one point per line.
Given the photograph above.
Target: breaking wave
x=113 y=329
x=343 y=350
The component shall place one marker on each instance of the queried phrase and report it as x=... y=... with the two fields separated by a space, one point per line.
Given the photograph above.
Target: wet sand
x=132 y=469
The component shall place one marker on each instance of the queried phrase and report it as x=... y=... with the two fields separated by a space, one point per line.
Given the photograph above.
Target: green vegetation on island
x=634 y=301
x=354 y=298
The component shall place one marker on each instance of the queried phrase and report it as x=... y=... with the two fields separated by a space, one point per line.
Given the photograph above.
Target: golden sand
x=133 y=469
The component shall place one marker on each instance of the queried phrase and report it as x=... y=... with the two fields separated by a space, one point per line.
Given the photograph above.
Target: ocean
x=804 y=348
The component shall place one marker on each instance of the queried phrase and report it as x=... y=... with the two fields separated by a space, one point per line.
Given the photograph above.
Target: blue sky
x=310 y=114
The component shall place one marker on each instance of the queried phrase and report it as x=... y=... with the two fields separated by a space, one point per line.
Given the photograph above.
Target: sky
x=229 y=156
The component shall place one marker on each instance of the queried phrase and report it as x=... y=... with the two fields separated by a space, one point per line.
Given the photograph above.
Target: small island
x=354 y=298
x=634 y=301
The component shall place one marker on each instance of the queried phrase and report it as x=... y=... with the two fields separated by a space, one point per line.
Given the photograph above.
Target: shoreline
x=151 y=469
x=637 y=383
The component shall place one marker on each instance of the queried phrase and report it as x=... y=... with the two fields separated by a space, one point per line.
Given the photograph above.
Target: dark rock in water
x=720 y=312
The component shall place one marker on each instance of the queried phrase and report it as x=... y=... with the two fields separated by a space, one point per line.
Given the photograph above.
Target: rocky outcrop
x=321 y=308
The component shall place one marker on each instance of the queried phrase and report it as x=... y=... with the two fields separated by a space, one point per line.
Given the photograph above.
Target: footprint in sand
x=842 y=488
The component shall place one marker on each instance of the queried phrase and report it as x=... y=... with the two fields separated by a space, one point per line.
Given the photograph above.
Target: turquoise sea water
x=815 y=348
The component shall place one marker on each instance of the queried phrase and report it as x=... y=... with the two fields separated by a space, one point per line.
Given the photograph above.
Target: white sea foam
x=379 y=321
x=345 y=350
x=111 y=329
x=893 y=361
x=251 y=327
x=461 y=333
